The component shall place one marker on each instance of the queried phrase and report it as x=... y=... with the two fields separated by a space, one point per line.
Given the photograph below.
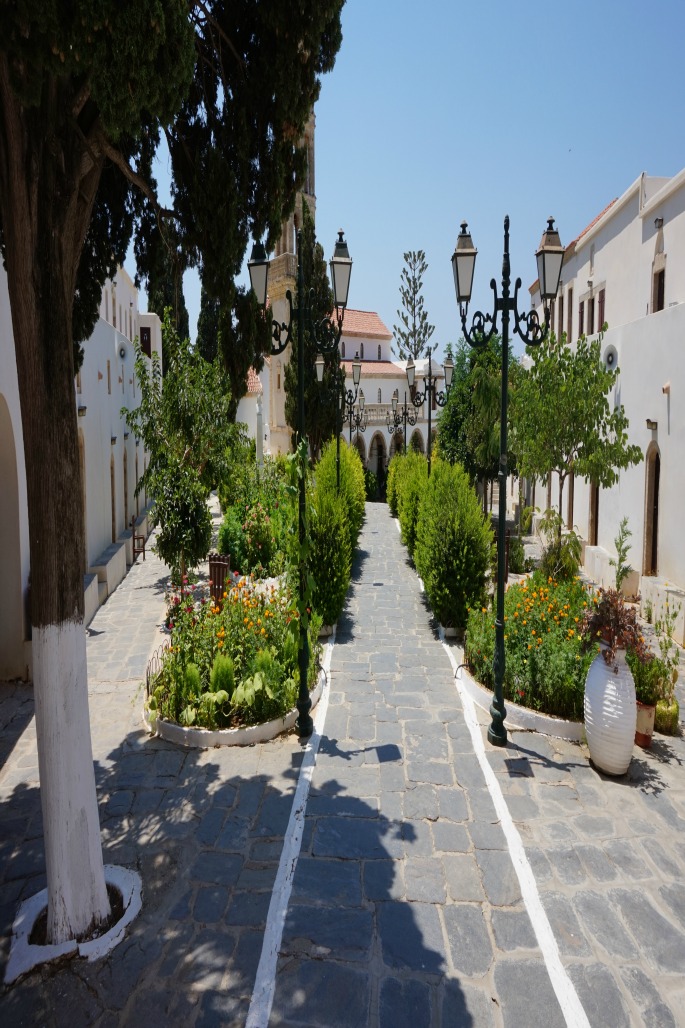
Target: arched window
x=379 y=395
x=379 y=351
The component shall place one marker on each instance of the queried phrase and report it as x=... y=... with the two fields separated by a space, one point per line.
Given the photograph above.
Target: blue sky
x=446 y=110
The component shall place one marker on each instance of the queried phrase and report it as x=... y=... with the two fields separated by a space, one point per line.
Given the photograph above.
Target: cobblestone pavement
x=410 y=903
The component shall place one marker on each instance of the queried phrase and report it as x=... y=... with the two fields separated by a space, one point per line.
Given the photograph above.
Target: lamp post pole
x=527 y=325
x=430 y=392
x=258 y=267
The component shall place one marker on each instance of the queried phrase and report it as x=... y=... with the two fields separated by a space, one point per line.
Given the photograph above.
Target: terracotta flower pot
x=644 y=727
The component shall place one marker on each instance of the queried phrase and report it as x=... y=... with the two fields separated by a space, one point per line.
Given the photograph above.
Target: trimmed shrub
x=352 y=489
x=453 y=544
x=391 y=484
x=411 y=478
x=331 y=554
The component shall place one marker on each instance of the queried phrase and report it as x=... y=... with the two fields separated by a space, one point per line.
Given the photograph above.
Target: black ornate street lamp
x=356 y=414
x=399 y=417
x=430 y=392
x=327 y=337
x=550 y=256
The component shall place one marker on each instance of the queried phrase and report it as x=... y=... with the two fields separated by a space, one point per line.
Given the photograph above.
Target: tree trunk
x=561 y=507
x=46 y=201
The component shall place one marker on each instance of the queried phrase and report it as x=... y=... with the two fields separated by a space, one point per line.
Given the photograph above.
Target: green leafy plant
x=260 y=543
x=652 y=679
x=562 y=551
x=622 y=545
x=454 y=544
x=370 y=484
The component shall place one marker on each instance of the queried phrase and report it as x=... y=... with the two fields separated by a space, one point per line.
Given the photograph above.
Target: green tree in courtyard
x=319 y=409
x=565 y=419
x=183 y=421
x=469 y=426
x=413 y=332
x=85 y=93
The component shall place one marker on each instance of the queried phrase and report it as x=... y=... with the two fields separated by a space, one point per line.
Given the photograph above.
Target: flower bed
x=233 y=662
x=545 y=666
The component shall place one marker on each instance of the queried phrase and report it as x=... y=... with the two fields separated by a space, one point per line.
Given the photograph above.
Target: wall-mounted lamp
x=666 y=387
x=126 y=434
x=589 y=283
x=651 y=425
x=658 y=223
x=113 y=440
x=82 y=412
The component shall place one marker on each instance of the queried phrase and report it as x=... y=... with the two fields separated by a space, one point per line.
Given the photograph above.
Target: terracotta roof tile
x=376 y=368
x=364 y=323
x=254 y=386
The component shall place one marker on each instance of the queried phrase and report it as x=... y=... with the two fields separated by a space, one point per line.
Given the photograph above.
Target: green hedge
x=453 y=545
x=409 y=483
x=352 y=487
x=331 y=554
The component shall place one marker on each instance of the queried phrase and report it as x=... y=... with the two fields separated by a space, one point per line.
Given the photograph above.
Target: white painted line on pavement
x=265 y=980
x=569 y=1002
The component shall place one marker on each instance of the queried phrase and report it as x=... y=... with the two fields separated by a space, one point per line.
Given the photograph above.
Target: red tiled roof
x=364 y=323
x=254 y=386
x=375 y=368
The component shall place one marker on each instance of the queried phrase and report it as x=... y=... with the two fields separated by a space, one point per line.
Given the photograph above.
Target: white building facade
x=628 y=269
x=112 y=461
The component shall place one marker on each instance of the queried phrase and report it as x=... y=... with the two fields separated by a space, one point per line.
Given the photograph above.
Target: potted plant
x=610 y=702
x=653 y=682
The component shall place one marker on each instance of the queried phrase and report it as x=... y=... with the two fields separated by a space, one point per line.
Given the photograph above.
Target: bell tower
x=283 y=276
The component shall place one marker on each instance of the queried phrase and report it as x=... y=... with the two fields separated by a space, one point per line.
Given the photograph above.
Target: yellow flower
x=221 y=643
x=484 y=609
x=245 y=620
x=263 y=631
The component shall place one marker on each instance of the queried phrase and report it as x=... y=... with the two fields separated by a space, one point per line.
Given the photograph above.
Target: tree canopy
x=319 y=399
x=414 y=330
x=469 y=426
x=564 y=418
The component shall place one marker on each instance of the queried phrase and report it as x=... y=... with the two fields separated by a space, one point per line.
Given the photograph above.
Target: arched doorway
x=396 y=445
x=12 y=628
x=361 y=448
x=650 y=555
x=416 y=442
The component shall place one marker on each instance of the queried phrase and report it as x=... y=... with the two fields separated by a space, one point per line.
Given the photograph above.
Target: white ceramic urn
x=610 y=714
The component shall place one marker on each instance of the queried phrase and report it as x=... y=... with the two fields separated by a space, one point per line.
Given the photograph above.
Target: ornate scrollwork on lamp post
x=550 y=256
x=399 y=417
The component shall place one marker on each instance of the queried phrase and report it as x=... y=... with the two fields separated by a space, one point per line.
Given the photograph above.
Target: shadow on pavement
x=206 y=838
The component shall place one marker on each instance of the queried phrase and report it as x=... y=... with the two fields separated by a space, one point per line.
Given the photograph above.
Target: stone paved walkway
x=406 y=907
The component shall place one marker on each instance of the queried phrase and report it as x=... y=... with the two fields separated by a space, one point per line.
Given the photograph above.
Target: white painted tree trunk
x=77 y=894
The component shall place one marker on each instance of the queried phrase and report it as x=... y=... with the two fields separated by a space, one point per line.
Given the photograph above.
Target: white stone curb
x=520 y=718
x=206 y=738
x=24 y=956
